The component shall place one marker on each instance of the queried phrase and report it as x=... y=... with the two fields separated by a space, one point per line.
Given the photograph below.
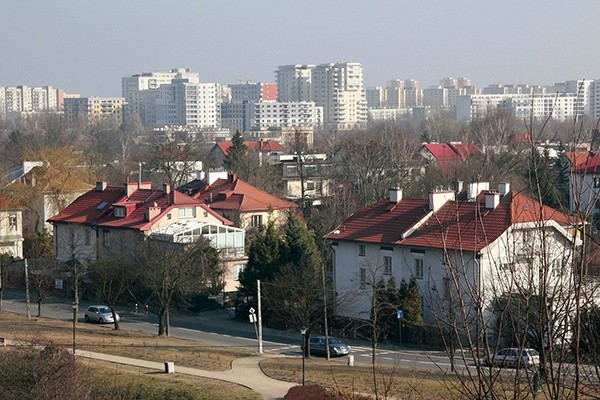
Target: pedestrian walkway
x=244 y=371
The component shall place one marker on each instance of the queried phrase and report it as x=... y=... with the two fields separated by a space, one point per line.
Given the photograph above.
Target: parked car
x=317 y=346
x=514 y=357
x=101 y=314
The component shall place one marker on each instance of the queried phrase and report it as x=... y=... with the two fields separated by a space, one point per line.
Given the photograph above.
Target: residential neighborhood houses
x=488 y=222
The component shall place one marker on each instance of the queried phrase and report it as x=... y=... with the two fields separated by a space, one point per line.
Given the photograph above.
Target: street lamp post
x=74 y=321
x=303 y=332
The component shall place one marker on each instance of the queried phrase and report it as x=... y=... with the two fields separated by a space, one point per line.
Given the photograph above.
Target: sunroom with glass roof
x=220 y=236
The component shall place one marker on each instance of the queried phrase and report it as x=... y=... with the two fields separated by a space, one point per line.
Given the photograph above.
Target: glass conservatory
x=221 y=236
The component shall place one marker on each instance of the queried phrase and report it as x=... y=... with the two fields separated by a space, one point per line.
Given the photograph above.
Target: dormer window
x=119 y=212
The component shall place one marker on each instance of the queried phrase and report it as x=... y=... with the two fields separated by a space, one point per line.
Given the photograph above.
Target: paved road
x=219 y=329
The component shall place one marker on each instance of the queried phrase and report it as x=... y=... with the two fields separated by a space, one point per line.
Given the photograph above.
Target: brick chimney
x=131 y=187
x=438 y=198
x=492 y=199
x=152 y=212
x=100 y=186
x=166 y=188
x=395 y=194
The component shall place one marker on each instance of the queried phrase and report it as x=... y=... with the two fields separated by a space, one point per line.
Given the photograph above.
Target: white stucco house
x=466 y=250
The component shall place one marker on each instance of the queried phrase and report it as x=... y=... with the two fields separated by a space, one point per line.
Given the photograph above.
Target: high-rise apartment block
x=95 y=108
x=253 y=92
x=17 y=100
x=337 y=87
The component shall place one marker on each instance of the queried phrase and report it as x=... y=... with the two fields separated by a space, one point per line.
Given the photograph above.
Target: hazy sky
x=87 y=46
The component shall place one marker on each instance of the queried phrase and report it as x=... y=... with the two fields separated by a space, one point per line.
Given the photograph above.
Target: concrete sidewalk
x=244 y=371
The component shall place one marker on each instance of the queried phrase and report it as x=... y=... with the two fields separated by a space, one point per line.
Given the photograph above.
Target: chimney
x=231 y=177
x=395 y=194
x=474 y=188
x=100 y=186
x=439 y=198
x=503 y=188
x=152 y=212
x=199 y=175
x=459 y=186
x=131 y=187
x=166 y=188
x=492 y=199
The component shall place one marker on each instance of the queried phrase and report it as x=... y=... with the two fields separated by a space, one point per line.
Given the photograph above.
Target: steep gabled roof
x=235 y=194
x=587 y=165
x=258 y=145
x=457 y=225
x=96 y=207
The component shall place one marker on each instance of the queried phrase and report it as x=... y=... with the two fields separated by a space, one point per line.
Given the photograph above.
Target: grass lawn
x=403 y=382
x=135 y=381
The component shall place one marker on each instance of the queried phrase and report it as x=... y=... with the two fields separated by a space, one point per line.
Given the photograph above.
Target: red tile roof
x=443 y=152
x=235 y=194
x=258 y=145
x=95 y=207
x=458 y=225
x=586 y=163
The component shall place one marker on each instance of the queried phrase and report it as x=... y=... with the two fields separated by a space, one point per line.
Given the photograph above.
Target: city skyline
x=86 y=47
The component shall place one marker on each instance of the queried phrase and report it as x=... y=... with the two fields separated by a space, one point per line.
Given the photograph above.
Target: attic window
x=12 y=221
x=187 y=212
x=102 y=206
x=119 y=212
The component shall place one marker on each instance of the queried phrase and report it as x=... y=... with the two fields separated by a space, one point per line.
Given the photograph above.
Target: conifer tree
x=236 y=154
x=412 y=304
x=264 y=259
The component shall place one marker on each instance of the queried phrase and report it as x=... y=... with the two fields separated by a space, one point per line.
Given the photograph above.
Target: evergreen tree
x=264 y=259
x=411 y=303
x=561 y=168
x=300 y=248
x=236 y=154
x=541 y=178
x=390 y=304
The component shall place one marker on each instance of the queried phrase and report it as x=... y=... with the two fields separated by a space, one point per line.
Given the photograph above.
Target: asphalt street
x=218 y=328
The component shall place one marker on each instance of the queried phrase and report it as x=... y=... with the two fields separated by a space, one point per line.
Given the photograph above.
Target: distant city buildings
x=19 y=100
x=95 y=108
x=337 y=87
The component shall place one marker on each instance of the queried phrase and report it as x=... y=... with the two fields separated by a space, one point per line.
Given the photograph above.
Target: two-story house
x=239 y=201
x=11 y=228
x=110 y=222
x=472 y=248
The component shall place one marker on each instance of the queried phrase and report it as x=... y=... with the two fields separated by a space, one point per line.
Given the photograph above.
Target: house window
x=87 y=237
x=596 y=182
x=362 y=250
x=256 y=221
x=419 y=268
x=237 y=271
x=12 y=221
x=387 y=265
x=106 y=238
x=187 y=212
x=362 y=278
x=119 y=212
x=310 y=186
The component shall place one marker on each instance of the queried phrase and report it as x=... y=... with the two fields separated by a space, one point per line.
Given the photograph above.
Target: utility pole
x=260 y=341
x=27 y=302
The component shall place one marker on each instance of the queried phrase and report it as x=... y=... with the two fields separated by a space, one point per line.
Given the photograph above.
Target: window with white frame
x=418 y=268
x=362 y=278
x=387 y=265
x=119 y=212
x=237 y=271
x=362 y=250
x=106 y=238
x=256 y=221
x=12 y=221
x=187 y=212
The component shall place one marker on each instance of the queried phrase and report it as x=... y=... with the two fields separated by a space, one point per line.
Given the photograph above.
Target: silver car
x=336 y=348
x=101 y=314
x=514 y=357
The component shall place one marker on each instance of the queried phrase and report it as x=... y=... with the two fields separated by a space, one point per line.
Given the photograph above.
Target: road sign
x=252 y=315
x=252 y=310
x=399 y=314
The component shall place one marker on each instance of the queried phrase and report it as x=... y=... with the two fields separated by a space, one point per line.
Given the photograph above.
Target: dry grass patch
x=104 y=339
x=404 y=382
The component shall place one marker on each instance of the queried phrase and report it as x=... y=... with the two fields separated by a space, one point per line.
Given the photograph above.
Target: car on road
x=101 y=314
x=514 y=357
x=316 y=346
